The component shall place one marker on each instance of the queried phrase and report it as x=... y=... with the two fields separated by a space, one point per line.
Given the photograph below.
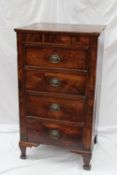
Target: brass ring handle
x=55 y=82
x=55 y=107
x=55 y=58
x=54 y=133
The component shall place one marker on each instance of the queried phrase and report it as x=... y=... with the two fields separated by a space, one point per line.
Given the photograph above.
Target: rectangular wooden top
x=66 y=28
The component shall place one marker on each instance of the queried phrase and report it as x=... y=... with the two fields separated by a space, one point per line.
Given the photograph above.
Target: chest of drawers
x=59 y=73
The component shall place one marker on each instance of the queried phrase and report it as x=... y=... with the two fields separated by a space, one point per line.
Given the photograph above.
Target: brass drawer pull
x=55 y=107
x=55 y=58
x=55 y=82
x=54 y=133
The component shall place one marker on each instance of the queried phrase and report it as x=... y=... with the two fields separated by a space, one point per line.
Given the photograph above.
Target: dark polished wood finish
x=58 y=81
x=57 y=108
x=59 y=74
x=39 y=55
x=53 y=132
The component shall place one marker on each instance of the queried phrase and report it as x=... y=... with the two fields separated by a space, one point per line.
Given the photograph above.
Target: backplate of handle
x=55 y=107
x=55 y=58
x=55 y=82
x=54 y=133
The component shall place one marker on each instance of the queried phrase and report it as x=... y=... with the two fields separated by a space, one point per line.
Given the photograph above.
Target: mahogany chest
x=59 y=73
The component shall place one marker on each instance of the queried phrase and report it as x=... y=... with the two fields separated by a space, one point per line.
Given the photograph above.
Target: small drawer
x=56 y=57
x=46 y=132
x=57 y=108
x=80 y=40
x=64 y=39
x=57 y=38
x=55 y=81
x=33 y=37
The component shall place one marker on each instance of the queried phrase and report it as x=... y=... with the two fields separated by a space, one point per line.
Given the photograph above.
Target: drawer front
x=56 y=57
x=45 y=132
x=56 y=108
x=55 y=81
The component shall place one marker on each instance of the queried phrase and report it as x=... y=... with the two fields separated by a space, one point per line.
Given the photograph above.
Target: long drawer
x=56 y=108
x=55 y=81
x=56 y=57
x=46 y=132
